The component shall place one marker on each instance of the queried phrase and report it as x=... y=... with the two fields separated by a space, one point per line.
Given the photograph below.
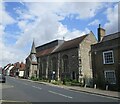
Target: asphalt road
x=17 y=90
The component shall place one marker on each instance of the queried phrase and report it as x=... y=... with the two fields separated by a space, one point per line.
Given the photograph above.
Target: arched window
x=54 y=68
x=43 y=67
x=65 y=63
x=54 y=64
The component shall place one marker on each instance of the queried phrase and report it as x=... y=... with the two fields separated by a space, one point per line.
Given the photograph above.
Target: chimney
x=101 y=33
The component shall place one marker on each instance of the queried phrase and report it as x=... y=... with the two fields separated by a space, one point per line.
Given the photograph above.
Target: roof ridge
x=77 y=37
x=112 y=34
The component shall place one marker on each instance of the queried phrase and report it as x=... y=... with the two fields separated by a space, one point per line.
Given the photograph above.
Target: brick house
x=70 y=59
x=18 y=69
x=106 y=60
x=22 y=70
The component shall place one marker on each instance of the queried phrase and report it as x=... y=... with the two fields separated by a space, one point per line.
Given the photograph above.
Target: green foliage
x=34 y=78
x=40 y=78
x=66 y=80
x=57 y=82
x=70 y=82
x=75 y=83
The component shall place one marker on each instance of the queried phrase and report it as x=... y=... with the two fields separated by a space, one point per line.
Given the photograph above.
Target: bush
x=75 y=83
x=34 y=78
x=66 y=80
x=57 y=82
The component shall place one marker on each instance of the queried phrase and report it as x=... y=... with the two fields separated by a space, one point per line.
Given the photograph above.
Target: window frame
x=105 y=71
x=104 y=57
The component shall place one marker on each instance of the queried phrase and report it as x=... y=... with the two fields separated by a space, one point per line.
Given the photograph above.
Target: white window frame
x=104 y=57
x=110 y=71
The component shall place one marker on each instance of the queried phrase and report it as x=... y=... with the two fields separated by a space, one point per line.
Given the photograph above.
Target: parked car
x=2 y=78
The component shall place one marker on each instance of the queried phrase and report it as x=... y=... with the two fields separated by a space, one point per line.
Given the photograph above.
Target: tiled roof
x=65 y=45
x=111 y=36
x=22 y=66
x=17 y=64
x=70 y=44
x=45 y=52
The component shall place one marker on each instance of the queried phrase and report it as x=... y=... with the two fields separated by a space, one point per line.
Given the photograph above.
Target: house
x=6 y=68
x=106 y=60
x=22 y=70
x=18 y=69
x=9 y=69
x=59 y=59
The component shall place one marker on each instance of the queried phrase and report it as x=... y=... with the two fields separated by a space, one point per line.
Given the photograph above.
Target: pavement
x=113 y=94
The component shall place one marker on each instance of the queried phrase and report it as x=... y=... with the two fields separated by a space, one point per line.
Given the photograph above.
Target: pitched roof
x=22 y=66
x=70 y=44
x=33 y=50
x=45 y=52
x=63 y=46
x=111 y=36
x=17 y=64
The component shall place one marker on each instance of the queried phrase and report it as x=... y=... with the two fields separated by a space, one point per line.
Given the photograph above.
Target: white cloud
x=7 y=54
x=76 y=33
x=95 y=22
x=22 y=24
x=112 y=17
x=5 y=18
x=62 y=30
x=58 y=1
x=83 y=9
x=46 y=26
x=10 y=55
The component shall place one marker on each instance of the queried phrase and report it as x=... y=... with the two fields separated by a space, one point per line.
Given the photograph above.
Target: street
x=18 y=90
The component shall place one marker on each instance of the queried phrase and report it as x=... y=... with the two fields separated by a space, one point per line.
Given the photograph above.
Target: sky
x=21 y=22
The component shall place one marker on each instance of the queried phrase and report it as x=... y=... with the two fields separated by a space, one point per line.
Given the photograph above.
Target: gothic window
x=44 y=64
x=54 y=64
x=65 y=63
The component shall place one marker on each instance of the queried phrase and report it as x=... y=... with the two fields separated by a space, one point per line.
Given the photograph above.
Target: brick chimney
x=101 y=33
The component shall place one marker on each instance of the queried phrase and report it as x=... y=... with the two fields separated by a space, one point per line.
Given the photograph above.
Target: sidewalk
x=113 y=94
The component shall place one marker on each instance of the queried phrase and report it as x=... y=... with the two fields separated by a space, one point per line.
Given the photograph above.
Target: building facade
x=31 y=64
x=59 y=59
x=106 y=60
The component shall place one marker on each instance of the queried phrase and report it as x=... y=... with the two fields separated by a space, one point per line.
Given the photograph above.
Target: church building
x=60 y=59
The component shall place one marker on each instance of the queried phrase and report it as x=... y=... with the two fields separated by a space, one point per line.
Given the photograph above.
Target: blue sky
x=21 y=22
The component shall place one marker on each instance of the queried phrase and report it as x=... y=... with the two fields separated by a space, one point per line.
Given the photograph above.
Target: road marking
x=4 y=86
x=37 y=87
x=60 y=94
x=13 y=101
